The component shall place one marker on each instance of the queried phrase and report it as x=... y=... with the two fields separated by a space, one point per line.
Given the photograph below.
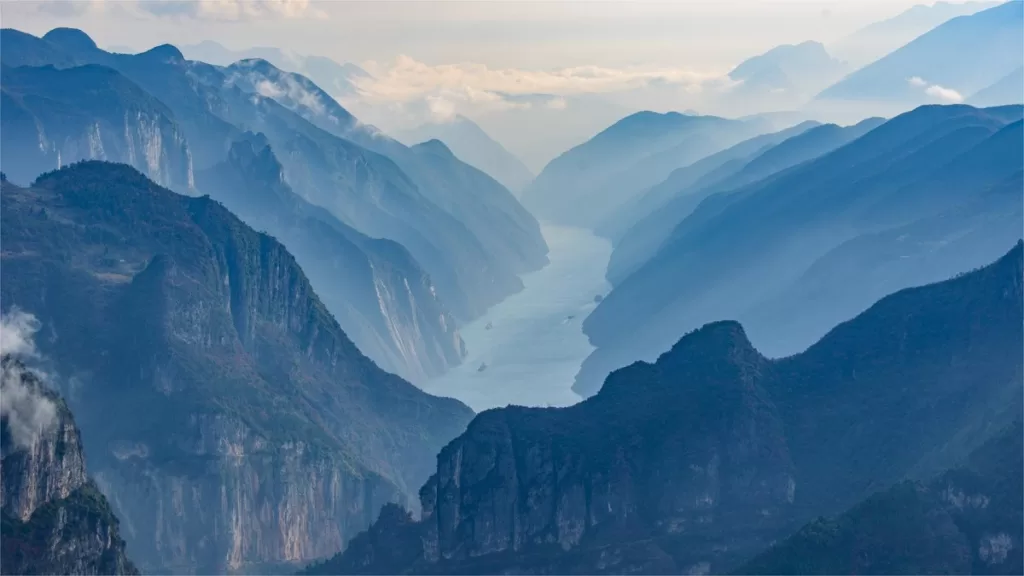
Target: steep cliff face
x=699 y=461
x=54 y=519
x=53 y=118
x=228 y=418
x=375 y=289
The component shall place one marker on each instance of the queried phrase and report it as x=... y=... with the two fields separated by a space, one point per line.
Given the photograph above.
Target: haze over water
x=533 y=349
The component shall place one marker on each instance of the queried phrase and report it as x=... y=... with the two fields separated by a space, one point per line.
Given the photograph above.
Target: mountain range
x=473 y=146
x=590 y=181
x=699 y=461
x=465 y=230
x=880 y=38
x=945 y=64
x=638 y=233
x=232 y=423
x=338 y=79
x=939 y=170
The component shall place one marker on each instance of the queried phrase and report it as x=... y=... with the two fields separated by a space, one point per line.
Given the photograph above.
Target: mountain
x=967 y=521
x=670 y=202
x=1008 y=90
x=505 y=229
x=784 y=77
x=107 y=117
x=508 y=235
x=55 y=521
x=339 y=79
x=587 y=183
x=720 y=162
x=879 y=38
x=956 y=59
x=754 y=245
x=229 y=420
x=399 y=321
x=368 y=191
x=375 y=289
x=474 y=147
x=697 y=462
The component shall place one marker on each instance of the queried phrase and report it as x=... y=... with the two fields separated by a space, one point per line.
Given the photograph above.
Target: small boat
x=570 y=317
x=483 y=366
x=489 y=326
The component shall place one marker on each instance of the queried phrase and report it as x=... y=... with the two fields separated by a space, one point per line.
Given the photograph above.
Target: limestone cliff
x=230 y=421
x=53 y=118
x=54 y=519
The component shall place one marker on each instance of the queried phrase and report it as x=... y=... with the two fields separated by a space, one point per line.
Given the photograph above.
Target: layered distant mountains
x=463 y=237
x=587 y=183
x=473 y=146
x=947 y=64
x=880 y=38
x=699 y=461
x=230 y=420
x=914 y=200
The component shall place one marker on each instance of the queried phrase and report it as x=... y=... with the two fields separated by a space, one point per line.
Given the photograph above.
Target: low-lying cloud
x=407 y=79
x=474 y=89
x=229 y=10
x=27 y=412
x=941 y=93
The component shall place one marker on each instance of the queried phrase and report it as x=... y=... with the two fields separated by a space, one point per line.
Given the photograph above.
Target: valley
x=529 y=347
x=412 y=291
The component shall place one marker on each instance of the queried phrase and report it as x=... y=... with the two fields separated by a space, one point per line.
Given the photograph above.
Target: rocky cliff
x=53 y=118
x=375 y=289
x=229 y=420
x=700 y=460
x=55 y=521
x=966 y=521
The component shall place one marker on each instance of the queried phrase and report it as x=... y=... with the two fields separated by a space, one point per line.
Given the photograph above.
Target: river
x=532 y=344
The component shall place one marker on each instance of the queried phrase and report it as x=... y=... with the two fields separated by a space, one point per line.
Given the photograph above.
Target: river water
x=534 y=344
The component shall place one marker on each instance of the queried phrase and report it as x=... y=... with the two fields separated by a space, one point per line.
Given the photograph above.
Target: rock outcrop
x=55 y=521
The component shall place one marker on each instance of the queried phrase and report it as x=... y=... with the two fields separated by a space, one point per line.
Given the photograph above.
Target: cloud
x=407 y=79
x=65 y=8
x=558 y=103
x=420 y=92
x=27 y=411
x=229 y=10
x=17 y=329
x=946 y=95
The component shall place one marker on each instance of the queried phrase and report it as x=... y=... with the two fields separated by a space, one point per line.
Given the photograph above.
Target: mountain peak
x=434 y=146
x=722 y=339
x=165 y=53
x=71 y=39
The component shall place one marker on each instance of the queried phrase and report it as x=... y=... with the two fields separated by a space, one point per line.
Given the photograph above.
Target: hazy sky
x=696 y=35
x=430 y=60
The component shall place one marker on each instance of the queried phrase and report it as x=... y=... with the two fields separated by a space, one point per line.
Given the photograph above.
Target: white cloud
x=17 y=328
x=28 y=413
x=947 y=95
x=941 y=93
x=229 y=10
x=407 y=79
